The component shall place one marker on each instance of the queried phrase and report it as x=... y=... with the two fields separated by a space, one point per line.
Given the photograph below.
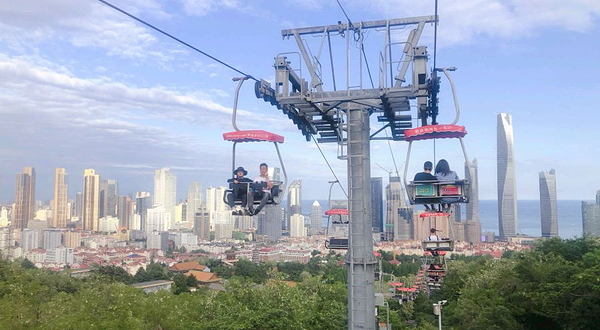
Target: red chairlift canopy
x=252 y=136
x=396 y=283
x=377 y=254
x=336 y=212
x=434 y=132
x=434 y=214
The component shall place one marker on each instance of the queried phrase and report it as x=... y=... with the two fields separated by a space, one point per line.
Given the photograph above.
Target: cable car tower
x=342 y=116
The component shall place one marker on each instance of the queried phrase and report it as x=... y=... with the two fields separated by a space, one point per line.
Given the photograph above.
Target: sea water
x=528 y=216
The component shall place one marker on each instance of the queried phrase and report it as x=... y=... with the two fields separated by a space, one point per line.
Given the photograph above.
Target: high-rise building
x=398 y=216
x=108 y=224
x=269 y=222
x=6 y=241
x=29 y=239
x=507 y=188
x=297 y=228
x=51 y=238
x=165 y=190
x=471 y=174
x=109 y=194
x=316 y=214
x=79 y=205
x=194 y=200
x=590 y=213
x=548 y=206
x=91 y=200
x=294 y=199
x=143 y=202
x=202 y=223
x=3 y=217
x=124 y=211
x=24 y=209
x=158 y=219
x=377 y=204
x=61 y=198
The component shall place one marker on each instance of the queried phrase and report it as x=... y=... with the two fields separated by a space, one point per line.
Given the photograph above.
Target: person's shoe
x=256 y=212
x=249 y=212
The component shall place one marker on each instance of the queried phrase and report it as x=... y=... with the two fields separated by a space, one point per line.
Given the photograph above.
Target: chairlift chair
x=433 y=192
x=336 y=216
x=242 y=136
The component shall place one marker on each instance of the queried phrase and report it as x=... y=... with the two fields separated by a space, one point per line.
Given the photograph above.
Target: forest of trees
x=556 y=285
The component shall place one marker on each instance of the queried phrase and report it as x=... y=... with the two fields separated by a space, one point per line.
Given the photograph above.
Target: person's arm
x=269 y=182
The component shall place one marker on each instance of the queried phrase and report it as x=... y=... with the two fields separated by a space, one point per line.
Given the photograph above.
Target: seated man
x=239 y=191
x=426 y=176
x=265 y=193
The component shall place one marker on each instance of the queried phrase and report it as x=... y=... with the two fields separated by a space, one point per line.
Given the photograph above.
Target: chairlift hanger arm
x=365 y=25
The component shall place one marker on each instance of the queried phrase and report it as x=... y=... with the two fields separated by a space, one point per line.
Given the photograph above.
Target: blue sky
x=82 y=86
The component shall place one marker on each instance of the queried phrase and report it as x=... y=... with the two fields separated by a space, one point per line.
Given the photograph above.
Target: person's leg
x=250 y=204
x=263 y=202
x=230 y=200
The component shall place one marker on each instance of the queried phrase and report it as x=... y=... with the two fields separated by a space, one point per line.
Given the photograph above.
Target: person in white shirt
x=433 y=236
x=265 y=193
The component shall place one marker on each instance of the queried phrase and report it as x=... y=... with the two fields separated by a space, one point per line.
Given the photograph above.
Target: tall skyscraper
x=61 y=198
x=143 y=201
x=471 y=174
x=316 y=213
x=24 y=210
x=548 y=204
x=165 y=189
x=202 y=223
x=507 y=188
x=124 y=211
x=377 y=204
x=194 y=200
x=294 y=199
x=91 y=200
x=591 y=217
x=109 y=194
x=398 y=216
x=79 y=205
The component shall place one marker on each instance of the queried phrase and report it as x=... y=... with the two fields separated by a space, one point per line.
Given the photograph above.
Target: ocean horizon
x=528 y=216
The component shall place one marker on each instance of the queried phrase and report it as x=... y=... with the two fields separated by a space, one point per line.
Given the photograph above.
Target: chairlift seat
x=440 y=245
x=337 y=243
x=256 y=190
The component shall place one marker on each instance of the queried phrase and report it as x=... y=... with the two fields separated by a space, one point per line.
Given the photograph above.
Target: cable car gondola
x=241 y=136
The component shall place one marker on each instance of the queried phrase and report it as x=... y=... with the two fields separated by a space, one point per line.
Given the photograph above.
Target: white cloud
x=26 y=24
x=466 y=20
x=204 y=7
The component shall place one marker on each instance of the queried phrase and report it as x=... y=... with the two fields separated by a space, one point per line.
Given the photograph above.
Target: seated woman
x=443 y=173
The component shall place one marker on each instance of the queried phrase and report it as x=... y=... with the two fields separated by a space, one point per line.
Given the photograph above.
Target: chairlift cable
x=330 y=168
x=176 y=39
